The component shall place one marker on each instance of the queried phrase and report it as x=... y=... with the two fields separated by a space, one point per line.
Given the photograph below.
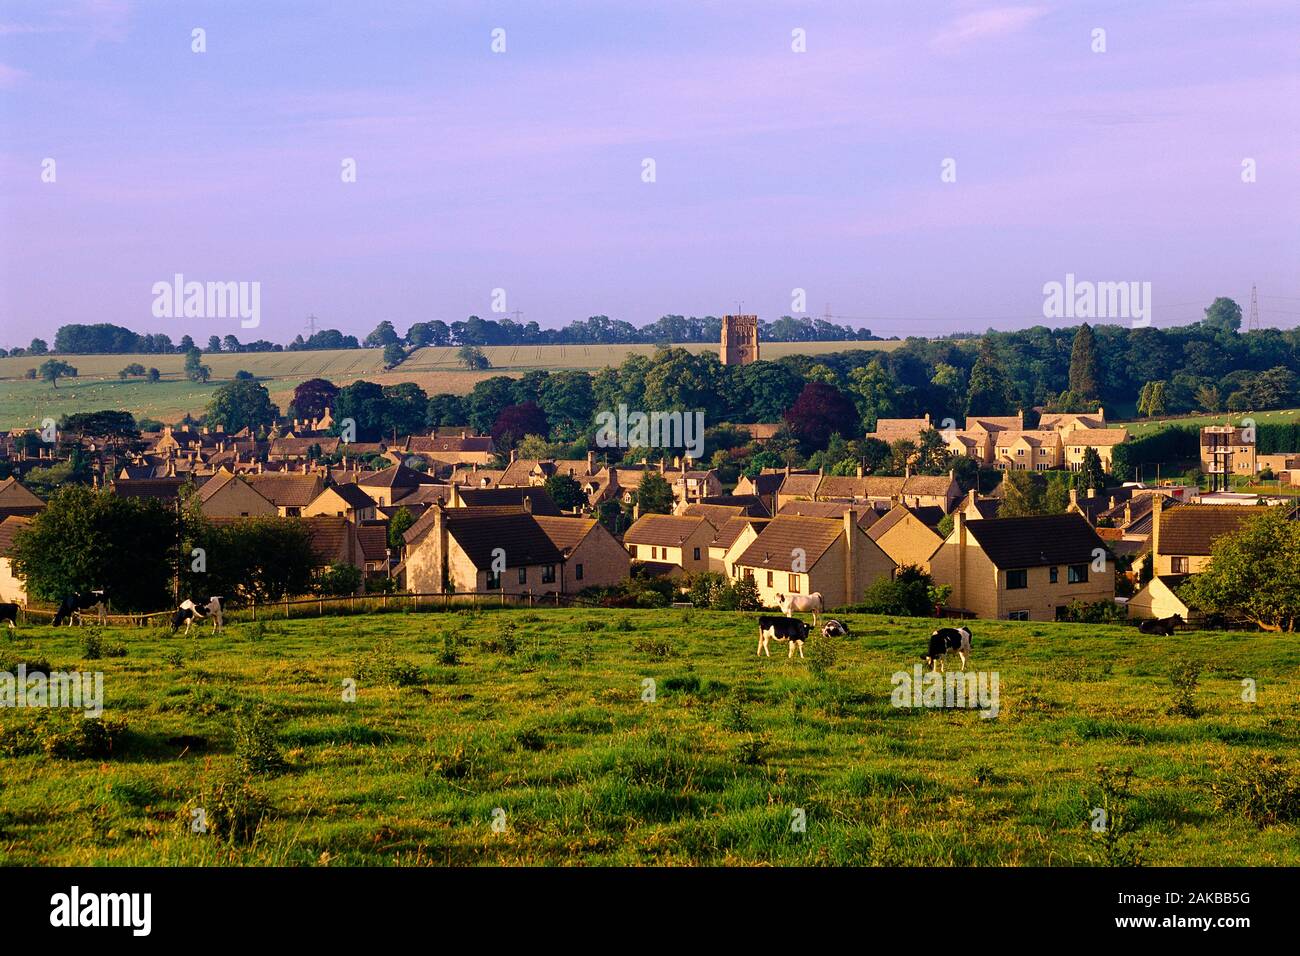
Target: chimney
x=453 y=500
x=907 y=470
x=850 y=557
x=528 y=503
x=512 y=456
x=1101 y=412
x=859 y=469
x=927 y=419
x=591 y=462
x=959 y=559
x=1074 y=497
x=1157 y=508
x=1092 y=492
x=463 y=435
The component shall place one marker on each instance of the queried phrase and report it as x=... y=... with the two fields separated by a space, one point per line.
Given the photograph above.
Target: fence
x=342 y=604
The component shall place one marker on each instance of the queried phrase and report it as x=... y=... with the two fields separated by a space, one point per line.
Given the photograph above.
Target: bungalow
x=592 y=556
x=225 y=495
x=1159 y=598
x=290 y=492
x=12 y=587
x=681 y=541
x=17 y=499
x=342 y=501
x=1182 y=538
x=1023 y=569
x=480 y=549
x=797 y=555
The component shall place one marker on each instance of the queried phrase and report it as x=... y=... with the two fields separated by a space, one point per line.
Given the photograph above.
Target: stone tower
x=739 y=339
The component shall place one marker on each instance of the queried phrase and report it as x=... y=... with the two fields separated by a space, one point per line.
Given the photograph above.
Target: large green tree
x=654 y=495
x=989 y=393
x=1083 y=363
x=242 y=404
x=86 y=539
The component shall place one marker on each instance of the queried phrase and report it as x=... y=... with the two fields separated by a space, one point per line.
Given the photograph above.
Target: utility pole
x=1253 y=325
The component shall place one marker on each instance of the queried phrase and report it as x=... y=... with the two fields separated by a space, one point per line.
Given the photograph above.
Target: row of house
x=1061 y=441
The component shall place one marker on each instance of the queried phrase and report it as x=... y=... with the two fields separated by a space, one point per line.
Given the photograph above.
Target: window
x=1062 y=612
x=494 y=581
x=1178 y=564
x=631 y=550
x=654 y=554
x=577 y=572
x=697 y=554
x=1078 y=574
x=523 y=575
x=749 y=574
x=1018 y=616
x=794 y=584
x=548 y=574
x=769 y=579
x=1017 y=580
x=1054 y=575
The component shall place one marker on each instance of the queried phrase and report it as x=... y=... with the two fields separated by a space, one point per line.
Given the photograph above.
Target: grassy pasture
x=25 y=403
x=539 y=714
x=1139 y=429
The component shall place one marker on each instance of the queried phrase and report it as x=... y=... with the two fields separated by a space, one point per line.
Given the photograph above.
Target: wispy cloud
x=984 y=25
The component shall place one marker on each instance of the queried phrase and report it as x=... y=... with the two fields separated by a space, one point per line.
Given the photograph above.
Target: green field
x=25 y=403
x=1143 y=427
x=535 y=718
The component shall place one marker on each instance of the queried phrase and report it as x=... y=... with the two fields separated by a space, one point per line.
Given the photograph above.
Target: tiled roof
x=373 y=539
x=1095 y=437
x=10 y=527
x=540 y=503
x=431 y=444
x=1193 y=529
x=517 y=533
x=394 y=476
x=165 y=488
x=565 y=533
x=715 y=515
x=750 y=504
x=667 y=530
x=13 y=492
x=732 y=529
x=286 y=489
x=774 y=548
x=330 y=538
x=353 y=496
x=1037 y=540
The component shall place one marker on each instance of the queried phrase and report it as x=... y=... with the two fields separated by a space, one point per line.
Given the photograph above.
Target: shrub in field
x=823 y=652
x=1262 y=789
x=752 y=751
x=686 y=684
x=1110 y=830
x=624 y=623
x=93 y=646
x=1096 y=612
x=231 y=810
x=58 y=734
x=734 y=715
x=652 y=647
x=449 y=655
x=505 y=642
x=381 y=666
x=1186 y=677
x=257 y=747
x=530 y=739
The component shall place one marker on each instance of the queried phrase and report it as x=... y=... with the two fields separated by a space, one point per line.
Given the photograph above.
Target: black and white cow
x=1164 y=625
x=947 y=639
x=9 y=614
x=781 y=629
x=186 y=614
x=834 y=628
x=76 y=602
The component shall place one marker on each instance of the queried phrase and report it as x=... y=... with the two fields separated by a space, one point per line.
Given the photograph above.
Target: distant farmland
x=24 y=403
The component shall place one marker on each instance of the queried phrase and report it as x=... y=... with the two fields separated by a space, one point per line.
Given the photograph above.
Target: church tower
x=739 y=339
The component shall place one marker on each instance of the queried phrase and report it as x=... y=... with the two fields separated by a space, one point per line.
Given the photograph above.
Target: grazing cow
x=9 y=614
x=186 y=614
x=799 y=602
x=947 y=639
x=214 y=612
x=76 y=602
x=781 y=629
x=1165 y=625
x=834 y=628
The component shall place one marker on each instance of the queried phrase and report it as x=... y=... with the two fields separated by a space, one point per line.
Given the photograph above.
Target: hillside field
x=1143 y=427
x=25 y=403
x=536 y=719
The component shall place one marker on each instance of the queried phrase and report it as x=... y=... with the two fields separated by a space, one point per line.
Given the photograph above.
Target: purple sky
x=775 y=170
